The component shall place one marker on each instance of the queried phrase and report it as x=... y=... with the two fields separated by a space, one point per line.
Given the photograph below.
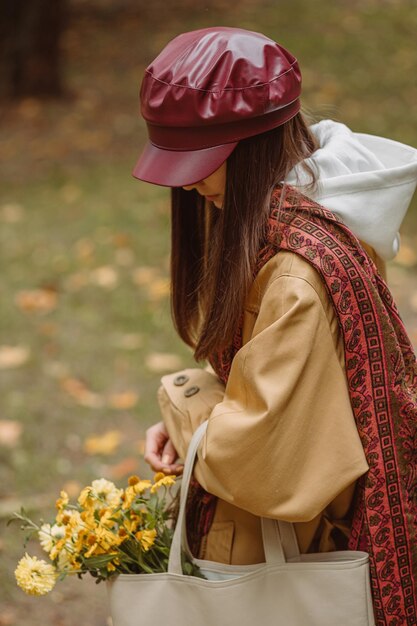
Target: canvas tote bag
x=290 y=589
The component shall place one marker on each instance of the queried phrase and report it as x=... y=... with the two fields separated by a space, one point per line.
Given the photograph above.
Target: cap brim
x=177 y=168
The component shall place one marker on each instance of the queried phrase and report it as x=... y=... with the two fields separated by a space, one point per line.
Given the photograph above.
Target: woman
x=311 y=392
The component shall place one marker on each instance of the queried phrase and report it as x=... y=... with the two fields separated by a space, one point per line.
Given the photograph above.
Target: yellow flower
x=103 y=489
x=77 y=529
x=67 y=559
x=87 y=519
x=131 y=523
x=56 y=549
x=103 y=537
x=160 y=479
x=133 y=491
x=111 y=567
x=107 y=538
x=49 y=535
x=146 y=538
x=101 y=493
x=84 y=499
x=34 y=576
x=62 y=502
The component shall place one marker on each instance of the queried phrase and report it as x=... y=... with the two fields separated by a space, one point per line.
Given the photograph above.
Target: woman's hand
x=160 y=453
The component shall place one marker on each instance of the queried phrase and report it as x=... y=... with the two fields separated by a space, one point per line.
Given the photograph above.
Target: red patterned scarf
x=381 y=371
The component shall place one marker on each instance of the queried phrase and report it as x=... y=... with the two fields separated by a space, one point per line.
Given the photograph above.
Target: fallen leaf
x=103 y=444
x=105 y=276
x=122 y=240
x=13 y=356
x=84 y=249
x=159 y=289
x=162 y=362
x=143 y=276
x=11 y=213
x=10 y=432
x=36 y=300
x=124 y=468
x=78 y=390
x=123 y=400
x=76 y=281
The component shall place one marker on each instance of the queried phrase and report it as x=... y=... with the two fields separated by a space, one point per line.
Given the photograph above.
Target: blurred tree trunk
x=30 y=35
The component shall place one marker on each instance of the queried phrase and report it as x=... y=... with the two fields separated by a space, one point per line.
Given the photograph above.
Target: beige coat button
x=191 y=391
x=181 y=380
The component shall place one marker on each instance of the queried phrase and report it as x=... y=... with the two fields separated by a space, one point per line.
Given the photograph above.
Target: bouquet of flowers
x=106 y=532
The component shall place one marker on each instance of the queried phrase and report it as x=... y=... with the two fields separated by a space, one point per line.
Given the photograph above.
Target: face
x=212 y=187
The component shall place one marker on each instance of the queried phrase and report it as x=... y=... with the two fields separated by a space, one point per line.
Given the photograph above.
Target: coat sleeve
x=281 y=439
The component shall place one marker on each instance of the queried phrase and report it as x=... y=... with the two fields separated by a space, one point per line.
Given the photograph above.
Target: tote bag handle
x=279 y=539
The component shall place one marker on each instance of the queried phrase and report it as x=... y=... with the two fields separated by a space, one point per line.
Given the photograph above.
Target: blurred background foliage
x=85 y=326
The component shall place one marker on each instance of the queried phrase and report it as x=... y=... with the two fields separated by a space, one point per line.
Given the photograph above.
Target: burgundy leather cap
x=204 y=92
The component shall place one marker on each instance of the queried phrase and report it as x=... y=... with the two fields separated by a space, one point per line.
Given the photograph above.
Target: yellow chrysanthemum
x=79 y=528
x=49 y=535
x=73 y=523
x=162 y=480
x=67 y=559
x=106 y=536
x=101 y=493
x=34 y=576
x=133 y=491
x=64 y=515
x=103 y=489
x=131 y=524
x=112 y=566
x=85 y=498
x=146 y=538
x=62 y=501
x=56 y=549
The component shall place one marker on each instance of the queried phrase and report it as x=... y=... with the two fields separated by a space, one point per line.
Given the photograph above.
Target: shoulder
x=289 y=269
x=288 y=283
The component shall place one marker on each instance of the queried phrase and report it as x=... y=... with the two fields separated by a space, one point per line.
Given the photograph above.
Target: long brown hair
x=214 y=250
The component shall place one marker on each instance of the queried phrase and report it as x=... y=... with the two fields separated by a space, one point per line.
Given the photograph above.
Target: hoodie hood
x=367 y=181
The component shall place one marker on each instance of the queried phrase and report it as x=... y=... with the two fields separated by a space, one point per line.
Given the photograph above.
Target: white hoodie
x=367 y=181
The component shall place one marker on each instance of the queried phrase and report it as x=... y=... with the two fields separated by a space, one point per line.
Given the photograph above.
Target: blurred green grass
x=68 y=206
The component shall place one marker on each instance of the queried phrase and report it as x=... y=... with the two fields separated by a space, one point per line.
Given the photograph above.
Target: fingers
x=169 y=457
x=169 y=453
x=156 y=438
x=160 y=453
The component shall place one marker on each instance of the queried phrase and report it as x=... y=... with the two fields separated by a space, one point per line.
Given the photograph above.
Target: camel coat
x=281 y=439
